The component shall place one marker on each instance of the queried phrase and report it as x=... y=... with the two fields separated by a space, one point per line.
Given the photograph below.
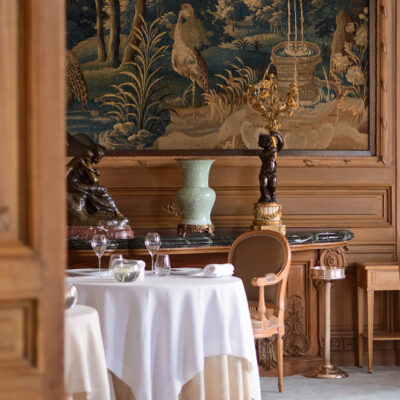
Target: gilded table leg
x=370 y=322
x=360 y=324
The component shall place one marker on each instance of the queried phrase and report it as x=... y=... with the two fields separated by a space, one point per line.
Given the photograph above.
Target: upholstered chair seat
x=270 y=321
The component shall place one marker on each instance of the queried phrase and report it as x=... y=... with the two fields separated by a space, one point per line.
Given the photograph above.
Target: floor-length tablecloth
x=85 y=368
x=158 y=332
x=224 y=377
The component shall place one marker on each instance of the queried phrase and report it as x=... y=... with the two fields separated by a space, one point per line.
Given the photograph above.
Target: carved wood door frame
x=32 y=198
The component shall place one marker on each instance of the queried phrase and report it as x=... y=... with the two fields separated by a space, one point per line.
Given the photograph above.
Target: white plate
x=212 y=277
x=185 y=271
x=87 y=272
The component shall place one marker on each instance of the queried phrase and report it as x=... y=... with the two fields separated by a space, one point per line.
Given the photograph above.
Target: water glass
x=113 y=259
x=126 y=271
x=141 y=264
x=163 y=265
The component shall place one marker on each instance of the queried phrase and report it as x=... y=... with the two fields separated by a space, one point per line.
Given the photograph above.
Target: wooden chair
x=262 y=258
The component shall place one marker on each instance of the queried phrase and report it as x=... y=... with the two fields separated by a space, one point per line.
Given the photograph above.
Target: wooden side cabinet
x=372 y=277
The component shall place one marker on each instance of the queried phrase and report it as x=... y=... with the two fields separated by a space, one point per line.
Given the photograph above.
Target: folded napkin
x=217 y=270
x=142 y=266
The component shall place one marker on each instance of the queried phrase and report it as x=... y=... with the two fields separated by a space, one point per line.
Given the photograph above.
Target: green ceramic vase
x=196 y=199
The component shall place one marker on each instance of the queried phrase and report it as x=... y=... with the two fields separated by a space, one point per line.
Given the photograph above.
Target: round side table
x=326 y=276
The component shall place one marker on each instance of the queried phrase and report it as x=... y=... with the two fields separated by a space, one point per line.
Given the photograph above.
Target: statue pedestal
x=268 y=216
x=87 y=232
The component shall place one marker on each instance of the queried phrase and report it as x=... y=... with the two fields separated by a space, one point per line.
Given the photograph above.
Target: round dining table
x=85 y=368
x=159 y=332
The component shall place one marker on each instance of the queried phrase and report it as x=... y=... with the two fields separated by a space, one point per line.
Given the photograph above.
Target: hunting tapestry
x=171 y=75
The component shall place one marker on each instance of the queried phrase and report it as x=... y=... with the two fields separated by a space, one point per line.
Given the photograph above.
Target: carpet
x=382 y=384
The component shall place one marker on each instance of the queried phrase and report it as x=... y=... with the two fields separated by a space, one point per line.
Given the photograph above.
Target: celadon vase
x=196 y=199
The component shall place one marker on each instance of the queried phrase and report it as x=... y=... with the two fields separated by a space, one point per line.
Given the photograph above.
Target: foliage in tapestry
x=169 y=75
x=137 y=104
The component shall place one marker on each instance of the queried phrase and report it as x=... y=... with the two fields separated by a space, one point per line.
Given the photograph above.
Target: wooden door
x=32 y=199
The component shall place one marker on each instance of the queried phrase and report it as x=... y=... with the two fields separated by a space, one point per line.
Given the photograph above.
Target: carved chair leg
x=279 y=345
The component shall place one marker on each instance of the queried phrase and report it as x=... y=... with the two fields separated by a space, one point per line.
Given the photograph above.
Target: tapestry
x=170 y=75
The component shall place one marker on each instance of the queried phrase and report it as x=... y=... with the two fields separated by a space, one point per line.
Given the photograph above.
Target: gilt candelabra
x=264 y=98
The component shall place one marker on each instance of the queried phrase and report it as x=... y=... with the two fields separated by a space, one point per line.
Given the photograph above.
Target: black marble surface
x=175 y=242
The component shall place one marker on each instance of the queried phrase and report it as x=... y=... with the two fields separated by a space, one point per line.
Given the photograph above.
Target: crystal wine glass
x=152 y=242
x=99 y=246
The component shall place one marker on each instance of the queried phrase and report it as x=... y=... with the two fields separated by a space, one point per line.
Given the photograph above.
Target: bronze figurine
x=264 y=98
x=89 y=203
x=271 y=143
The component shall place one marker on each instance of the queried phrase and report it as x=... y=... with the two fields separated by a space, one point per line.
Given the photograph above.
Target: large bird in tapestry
x=186 y=60
x=170 y=75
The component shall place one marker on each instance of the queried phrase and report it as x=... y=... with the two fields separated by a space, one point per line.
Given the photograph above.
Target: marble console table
x=218 y=241
x=304 y=308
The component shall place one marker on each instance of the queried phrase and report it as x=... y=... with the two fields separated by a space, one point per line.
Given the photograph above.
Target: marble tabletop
x=169 y=241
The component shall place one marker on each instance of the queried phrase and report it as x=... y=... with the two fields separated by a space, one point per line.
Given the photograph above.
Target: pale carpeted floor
x=382 y=384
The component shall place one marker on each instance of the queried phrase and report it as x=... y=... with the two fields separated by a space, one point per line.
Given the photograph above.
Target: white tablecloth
x=85 y=368
x=157 y=332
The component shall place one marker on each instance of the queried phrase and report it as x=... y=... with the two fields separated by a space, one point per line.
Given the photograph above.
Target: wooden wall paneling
x=372 y=244
x=32 y=199
x=45 y=130
x=396 y=124
x=9 y=121
x=17 y=339
x=301 y=285
x=344 y=317
x=328 y=201
x=396 y=148
x=385 y=78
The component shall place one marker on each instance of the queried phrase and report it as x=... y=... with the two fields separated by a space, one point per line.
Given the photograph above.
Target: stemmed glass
x=152 y=242
x=99 y=246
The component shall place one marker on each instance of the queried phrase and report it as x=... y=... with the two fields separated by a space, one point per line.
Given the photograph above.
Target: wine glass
x=163 y=265
x=152 y=242
x=99 y=246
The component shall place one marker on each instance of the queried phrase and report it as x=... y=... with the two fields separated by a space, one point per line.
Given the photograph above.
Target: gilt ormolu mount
x=90 y=206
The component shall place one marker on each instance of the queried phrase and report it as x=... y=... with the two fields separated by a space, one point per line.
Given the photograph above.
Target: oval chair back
x=256 y=254
x=262 y=260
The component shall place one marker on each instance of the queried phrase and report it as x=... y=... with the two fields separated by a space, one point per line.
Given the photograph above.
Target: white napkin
x=142 y=266
x=270 y=277
x=217 y=270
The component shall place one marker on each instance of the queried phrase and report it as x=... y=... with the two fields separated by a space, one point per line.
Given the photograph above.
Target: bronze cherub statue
x=264 y=98
x=267 y=176
x=89 y=203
